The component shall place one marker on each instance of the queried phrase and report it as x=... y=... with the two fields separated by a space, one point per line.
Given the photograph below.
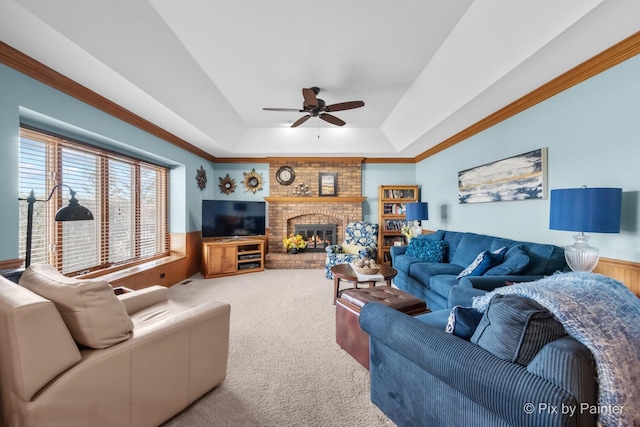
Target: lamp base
x=416 y=229
x=581 y=256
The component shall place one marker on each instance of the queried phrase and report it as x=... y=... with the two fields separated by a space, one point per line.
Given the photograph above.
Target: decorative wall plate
x=285 y=175
x=227 y=184
x=252 y=181
x=201 y=178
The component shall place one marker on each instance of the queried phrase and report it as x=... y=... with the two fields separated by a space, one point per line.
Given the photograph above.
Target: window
x=127 y=196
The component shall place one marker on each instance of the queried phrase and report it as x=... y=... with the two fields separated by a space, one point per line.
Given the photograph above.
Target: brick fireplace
x=286 y=210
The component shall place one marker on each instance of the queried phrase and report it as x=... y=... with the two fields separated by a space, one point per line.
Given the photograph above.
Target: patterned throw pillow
x=484 y=262
x=463 y=322
x=427 y=249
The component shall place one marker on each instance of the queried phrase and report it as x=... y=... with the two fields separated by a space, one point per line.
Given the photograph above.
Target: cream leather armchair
x=173 y=354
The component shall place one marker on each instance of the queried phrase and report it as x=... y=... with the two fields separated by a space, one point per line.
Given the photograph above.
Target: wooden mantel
x=323 y=199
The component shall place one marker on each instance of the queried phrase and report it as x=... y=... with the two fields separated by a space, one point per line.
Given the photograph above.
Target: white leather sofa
x=151 y=356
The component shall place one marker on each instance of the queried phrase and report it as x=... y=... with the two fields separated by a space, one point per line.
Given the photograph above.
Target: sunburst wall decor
x=252 y=181
x=201 y=178
x=227 y=184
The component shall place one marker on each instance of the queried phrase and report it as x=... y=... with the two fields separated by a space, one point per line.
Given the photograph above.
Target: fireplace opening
x=318 y=236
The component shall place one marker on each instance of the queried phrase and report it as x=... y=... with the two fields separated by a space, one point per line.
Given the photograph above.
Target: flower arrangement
x=406 y=230
x=294 y=242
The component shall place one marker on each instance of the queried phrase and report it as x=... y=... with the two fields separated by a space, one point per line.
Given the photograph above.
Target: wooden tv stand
x=233 y=255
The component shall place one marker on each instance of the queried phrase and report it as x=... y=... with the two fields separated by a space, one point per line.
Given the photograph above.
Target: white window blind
x=127 y=196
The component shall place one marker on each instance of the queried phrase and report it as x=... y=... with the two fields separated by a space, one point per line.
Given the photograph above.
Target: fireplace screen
x=318 y=236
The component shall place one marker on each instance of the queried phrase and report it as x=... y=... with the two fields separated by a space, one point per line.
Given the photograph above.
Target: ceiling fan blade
x=344 y=106
x=332 y=119
x=309 y=97
x=293 y=110
x=300 y=121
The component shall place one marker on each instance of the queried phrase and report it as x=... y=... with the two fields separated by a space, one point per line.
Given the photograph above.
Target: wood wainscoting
x=626 y=272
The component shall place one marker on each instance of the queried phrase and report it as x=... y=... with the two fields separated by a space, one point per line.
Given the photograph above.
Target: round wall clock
x=252 y=181
x=201 y=178
x=227 y=184
x=285 y=175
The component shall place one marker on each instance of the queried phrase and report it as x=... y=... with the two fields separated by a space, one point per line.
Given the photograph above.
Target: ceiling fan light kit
x=316 y=107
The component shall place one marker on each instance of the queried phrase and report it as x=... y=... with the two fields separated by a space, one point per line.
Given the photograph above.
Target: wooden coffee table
x=345 y=272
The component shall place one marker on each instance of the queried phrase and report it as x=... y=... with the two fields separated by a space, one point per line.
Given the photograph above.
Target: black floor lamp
x=72 y=212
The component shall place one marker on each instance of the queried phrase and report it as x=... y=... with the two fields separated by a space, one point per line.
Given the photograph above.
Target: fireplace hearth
x=318 y=236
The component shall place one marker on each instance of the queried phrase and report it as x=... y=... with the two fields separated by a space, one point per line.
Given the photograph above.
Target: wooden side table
x=345 y=272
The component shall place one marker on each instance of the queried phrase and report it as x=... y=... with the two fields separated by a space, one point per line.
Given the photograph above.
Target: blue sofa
x=434 y=281
x=423 y=376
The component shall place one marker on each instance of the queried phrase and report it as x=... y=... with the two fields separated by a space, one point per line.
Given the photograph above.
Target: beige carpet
x=285 y=368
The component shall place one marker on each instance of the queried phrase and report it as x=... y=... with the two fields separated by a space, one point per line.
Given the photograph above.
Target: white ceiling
x=204 y=69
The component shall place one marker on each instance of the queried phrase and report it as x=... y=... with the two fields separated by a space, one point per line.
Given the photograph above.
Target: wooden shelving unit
x=224 y=257
x=392 y=216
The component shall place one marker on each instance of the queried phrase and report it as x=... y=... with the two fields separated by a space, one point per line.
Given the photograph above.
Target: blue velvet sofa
x=433 y=274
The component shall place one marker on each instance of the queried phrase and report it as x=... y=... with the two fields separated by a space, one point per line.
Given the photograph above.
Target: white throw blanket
x=604 y=315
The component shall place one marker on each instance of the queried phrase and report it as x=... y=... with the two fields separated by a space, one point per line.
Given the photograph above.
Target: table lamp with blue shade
x=595 y=210
x=416 y=212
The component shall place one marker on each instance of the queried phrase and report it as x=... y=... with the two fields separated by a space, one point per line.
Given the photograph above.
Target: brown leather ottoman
x=349 y=336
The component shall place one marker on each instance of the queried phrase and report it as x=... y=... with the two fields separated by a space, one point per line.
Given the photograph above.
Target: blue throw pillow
x=463 y=322
x=501 y=252
x=515 y=261
x=427 y=249
x=515 y=328
x=483 y=263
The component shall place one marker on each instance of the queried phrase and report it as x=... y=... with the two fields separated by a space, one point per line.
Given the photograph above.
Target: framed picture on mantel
x=327 y=183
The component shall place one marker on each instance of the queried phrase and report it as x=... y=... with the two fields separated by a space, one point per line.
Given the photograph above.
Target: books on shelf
x=394 y=209
x=393 y=225
x=393 y=240
x=399 y=194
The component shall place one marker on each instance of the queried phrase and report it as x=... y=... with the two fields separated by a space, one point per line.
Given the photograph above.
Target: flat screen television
x=230 y=218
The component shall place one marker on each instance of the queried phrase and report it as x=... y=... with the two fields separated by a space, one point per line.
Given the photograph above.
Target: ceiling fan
x=316 y=107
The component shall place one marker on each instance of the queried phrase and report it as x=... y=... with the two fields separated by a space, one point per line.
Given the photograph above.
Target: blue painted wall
x=592 y=132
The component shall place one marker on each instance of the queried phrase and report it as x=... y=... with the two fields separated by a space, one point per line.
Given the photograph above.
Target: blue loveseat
x=433 y=276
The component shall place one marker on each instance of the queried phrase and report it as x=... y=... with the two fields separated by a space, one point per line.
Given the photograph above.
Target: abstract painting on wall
x=520 y=177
